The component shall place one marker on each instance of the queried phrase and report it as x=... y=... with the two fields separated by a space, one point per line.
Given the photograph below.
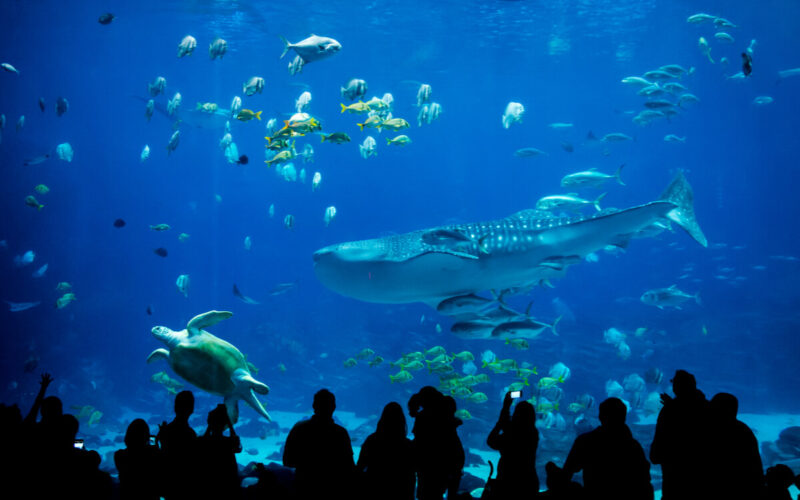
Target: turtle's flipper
x=206 y=320
x=158 y=354
x=241 y=377
x=250 y=398
x=231 y=404
x=245 y=387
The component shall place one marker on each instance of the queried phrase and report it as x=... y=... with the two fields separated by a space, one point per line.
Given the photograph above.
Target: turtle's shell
x=207 y=362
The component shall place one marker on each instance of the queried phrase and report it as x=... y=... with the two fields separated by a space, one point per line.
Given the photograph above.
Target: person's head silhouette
x=393 y=422
x=138 y=434
x=683 y=384
x=324 y=403
x=51 y=409
x=612 y=412
x=184 y=404
x=217 y=419
x=524 y=417
x=724 y=406
x=67 y=430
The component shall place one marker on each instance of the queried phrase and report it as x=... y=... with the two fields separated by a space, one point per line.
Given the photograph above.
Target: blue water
x=562 y=60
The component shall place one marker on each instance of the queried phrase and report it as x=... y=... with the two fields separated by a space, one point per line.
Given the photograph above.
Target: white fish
x=513 y=114
x=40 y=272
x=560 y=125
x=637 y=81
x=8 y=67
x=20 y=306
x=700 y=18
x=174 y=141
x=65 y=152
x=157 y=87
x=705 y=49
x=616 y=137
x=330 y=213
x=613 y=336
x=312 y=48
x=174 y=103
x=25 y=259
x=786 y=73
x=226 y=141
x=591 y=178
x=315 y=181
x=723 y=37
x=183 y=284
x=248 y=243
x=145 y=153
x=254 y=85
x=302 y=175
x=424 y=94
x=302 y=102
x=368 y=148
x=762 y=100
x=187 y=46
x=674 y=138
x=236 y=106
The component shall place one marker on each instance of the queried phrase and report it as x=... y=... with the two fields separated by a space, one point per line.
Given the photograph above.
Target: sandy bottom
x=766 y=428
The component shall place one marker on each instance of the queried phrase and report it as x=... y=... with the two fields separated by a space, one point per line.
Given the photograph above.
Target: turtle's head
x=165 y=335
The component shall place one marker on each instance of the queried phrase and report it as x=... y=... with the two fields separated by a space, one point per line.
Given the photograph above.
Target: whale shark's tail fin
x=680 y=194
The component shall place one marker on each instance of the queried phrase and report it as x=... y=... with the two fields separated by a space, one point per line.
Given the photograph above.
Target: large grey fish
x=519 y=250
x=312 y=48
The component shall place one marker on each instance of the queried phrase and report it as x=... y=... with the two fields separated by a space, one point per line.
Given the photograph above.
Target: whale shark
x=519 y=251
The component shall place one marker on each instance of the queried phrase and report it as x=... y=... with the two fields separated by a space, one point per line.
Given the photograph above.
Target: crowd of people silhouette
x=703 y=450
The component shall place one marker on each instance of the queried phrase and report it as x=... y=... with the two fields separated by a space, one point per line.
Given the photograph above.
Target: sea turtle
x=210 y=363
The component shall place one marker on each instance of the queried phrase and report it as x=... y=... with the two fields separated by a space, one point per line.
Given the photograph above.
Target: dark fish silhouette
x=106 y=18
x=747 y=64
x=41 y=104
x=119 y=223
x=160 y=251
x=149 y=311
x=568 y=147
x=244 y=298
x=62 y=105
x=243 y=160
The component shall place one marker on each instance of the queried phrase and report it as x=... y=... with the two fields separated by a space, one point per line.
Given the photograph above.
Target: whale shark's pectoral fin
x=206 y=320
x=157 y=355
x=246 y=388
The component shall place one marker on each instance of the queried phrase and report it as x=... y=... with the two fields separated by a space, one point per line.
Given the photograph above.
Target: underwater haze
x=733 y=136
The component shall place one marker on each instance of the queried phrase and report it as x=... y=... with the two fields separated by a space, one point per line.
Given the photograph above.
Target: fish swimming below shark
x=518 y=251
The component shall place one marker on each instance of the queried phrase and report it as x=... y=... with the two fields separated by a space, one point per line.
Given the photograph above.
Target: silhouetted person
x=778 y=480
x=559 y=485
x=139 y=464
x=734 y=460
x=69 y=471
x=517 y=440
x=12 y=448
x=386 y=459
x=680 y=443
x=178 y=444
x=216 y=457
x=320 y=452
x=613 y=462
x=437 y=450
x=453 y=443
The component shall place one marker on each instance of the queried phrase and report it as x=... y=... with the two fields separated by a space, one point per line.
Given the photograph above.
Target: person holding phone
x=140 y=464
x=516 y=438
x=219 y=475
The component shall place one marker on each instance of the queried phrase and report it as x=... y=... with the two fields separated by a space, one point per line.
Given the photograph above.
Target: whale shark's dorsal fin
x=680 y=194
x=205 y=320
